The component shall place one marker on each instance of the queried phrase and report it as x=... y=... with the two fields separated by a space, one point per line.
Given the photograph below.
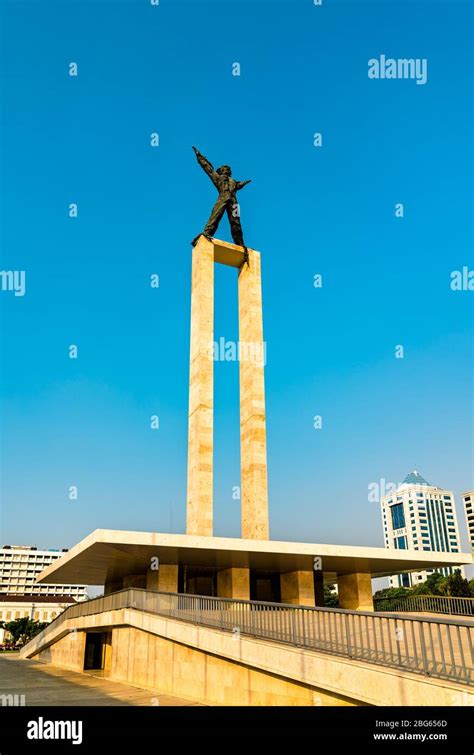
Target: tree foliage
x=23 y=630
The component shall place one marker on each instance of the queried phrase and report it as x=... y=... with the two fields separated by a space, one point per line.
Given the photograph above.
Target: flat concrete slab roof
x=113 y=554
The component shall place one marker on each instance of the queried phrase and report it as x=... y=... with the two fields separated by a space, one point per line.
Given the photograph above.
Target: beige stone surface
x=179 y=670
x=254 y=494
x=253 y=443
x=333 y=679
x=67 y=652
x=44 y=684
x=201 y=392
x=233 y=583
x=297 y=587
x=164 y=579
x=355 y=592
x=117 y=552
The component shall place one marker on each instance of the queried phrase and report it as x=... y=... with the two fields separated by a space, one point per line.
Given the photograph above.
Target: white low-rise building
x=21 y=596
x=35 y=607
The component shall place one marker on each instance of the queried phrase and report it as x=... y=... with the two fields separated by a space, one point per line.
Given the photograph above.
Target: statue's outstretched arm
x=206 y=165
x=241 y=184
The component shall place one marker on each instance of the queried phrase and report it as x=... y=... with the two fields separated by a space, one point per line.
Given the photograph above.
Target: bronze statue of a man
x=226 y=201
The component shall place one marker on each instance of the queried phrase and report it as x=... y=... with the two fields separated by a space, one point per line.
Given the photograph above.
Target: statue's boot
x=196 y=238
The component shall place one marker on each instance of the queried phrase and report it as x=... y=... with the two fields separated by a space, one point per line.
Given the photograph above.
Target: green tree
x=422 y=589
x=471 y=587
x=455 y=585
x=434 y=582
x=393 y=592
x=331 y=599
x=23 y=630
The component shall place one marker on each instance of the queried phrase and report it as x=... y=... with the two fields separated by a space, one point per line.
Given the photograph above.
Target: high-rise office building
x=420 y=516
x=20 y=565
x=468 y=503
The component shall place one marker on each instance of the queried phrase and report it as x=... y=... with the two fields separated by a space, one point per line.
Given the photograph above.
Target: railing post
x=293 y=626
x=423 y=649
x=348 y=635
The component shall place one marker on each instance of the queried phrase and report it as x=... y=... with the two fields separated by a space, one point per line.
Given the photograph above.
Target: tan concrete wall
x=253 y=437
x=67 y=652
x=336 y=677
x=157 y=663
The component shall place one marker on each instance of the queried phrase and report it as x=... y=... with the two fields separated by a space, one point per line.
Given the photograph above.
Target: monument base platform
x=269 y=570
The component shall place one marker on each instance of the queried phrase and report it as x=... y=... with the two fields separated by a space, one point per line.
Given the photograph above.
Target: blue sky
x=328 y=210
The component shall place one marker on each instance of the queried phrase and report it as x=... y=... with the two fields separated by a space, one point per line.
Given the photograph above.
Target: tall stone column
x=201 y=378
x=253 y=444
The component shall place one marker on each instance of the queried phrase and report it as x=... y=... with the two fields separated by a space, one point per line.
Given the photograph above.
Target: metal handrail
x=437 y=647
x=445 y=604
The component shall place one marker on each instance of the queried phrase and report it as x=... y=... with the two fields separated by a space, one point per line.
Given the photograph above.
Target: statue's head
x=224 y=170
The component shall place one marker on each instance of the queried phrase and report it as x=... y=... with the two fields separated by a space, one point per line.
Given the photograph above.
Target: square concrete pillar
x=297 y=587
x=253 y=443
x=134 y=580
x=164 y=579
x=201 y=380
x=234 y=583
x=355 y=591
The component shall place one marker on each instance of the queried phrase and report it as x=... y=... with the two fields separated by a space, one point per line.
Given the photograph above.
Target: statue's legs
x=215 y=217
x=222 y=205
x=234 y=221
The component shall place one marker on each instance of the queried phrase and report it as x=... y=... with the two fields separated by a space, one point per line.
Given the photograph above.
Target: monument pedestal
x=253 y=449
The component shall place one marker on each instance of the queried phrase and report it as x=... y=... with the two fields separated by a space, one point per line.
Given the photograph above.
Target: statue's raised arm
x=206 y=166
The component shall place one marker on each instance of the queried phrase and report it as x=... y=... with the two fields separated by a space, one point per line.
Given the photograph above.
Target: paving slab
x=44 y=684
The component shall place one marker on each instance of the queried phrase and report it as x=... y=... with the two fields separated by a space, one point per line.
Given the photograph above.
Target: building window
x=398 y=516
x=400 y=543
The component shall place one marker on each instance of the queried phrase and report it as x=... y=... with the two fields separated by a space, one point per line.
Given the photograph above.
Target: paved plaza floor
x=44 y=684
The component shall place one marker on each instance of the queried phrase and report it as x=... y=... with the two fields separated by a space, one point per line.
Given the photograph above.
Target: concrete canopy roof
x=112 y=554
